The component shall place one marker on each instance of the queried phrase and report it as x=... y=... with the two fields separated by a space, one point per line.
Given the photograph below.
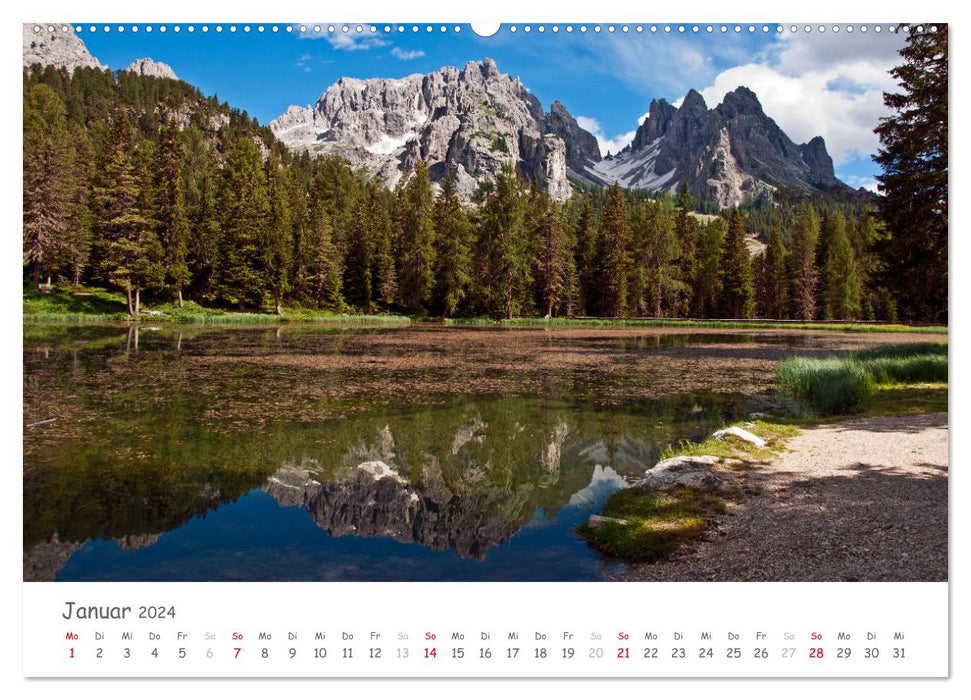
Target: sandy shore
x=859 y=500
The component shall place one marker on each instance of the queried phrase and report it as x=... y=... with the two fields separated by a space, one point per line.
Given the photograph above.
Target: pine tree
x=173 y=224
x=586 y=234
x=866 y=234
x=383 y=274
x=358 y=289
x=774 y=290
x=685 y=228
x=75 y=247
x=417 y=241
x=708 y=252
x=148 y=273
x=453 y=273
x=300 y=286
x=552 y=258
x=802 y=263
x=123 y=227
x=616 y=260
x=842 y=288
x=503 y=253
x=657 y=263
x=48 y=186
x=244 y=208
x=914 y=182
x=200 y=185
x=737 y=294
x=277 y=241
x=324 y=265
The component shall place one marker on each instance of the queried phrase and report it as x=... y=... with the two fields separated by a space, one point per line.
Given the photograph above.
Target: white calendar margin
x=11 y=648
x=219 y=627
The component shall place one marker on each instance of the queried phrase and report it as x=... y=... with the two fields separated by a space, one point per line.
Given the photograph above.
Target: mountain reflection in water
x=323 y=454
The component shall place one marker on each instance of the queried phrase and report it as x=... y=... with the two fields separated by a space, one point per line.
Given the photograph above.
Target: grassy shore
x=68 y=304
x=83 y=305
x=652 y=525
x=848 y=327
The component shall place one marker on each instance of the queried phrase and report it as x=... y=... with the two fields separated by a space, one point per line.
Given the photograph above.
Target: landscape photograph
x=380 y=302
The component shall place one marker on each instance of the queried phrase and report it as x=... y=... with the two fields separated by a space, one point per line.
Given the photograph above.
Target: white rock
x=379 y=470
x=693 y=471
x=741 y=434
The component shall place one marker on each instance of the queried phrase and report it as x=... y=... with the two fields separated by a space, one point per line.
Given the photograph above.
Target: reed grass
x=842 y=384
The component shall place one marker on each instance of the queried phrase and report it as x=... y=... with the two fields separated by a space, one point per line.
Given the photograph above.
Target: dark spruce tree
x=244 y=208
x=841 y=292
x=553 y=258
x=416 y=265
x=128 y=247
x=615 y=259
x=914 y=180
x=586 y=235
x=502 y=252
x=384 y=277
x=685 y=227
x=802 y=265
x=358 y=282
x=173 y=223
x=453 y=273
x=708 y=251
x=49 y=183
x=774 y=289
x=737 y=295
x=277 y=239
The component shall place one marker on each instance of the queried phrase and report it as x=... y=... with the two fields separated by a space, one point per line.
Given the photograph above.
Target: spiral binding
x=512 y=28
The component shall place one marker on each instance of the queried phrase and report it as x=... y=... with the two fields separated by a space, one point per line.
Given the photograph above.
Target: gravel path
x=859 y=500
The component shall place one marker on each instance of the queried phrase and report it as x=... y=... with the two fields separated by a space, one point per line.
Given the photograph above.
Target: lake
x=423 y=452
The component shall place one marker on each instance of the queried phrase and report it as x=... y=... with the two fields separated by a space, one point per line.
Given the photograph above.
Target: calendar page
x=544 y=349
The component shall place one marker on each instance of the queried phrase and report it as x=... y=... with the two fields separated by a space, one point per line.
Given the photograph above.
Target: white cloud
x=350 y=40
x=825 y=85
x=868 y=183
x=304 y=62
x=606 y=143
x=406 y=55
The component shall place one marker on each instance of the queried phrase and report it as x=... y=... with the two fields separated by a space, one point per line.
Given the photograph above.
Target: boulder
x=694 y=471
x=741 y=434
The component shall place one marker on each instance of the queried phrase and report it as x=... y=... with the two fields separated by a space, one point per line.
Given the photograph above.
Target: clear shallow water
x=323 y=454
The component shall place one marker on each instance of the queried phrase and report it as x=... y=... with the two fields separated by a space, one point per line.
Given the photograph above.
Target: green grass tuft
x=835 y=385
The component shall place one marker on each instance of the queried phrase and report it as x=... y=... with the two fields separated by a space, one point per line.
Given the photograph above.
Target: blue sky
x=828 y=84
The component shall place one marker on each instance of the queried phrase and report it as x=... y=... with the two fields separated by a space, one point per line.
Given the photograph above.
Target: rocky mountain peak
x=582 y=149
x=488 y=67
x=729 y=155
x=146 y=66
x=58 y=48
x=816 y=156
x=741 y=100
x=468 y=123
x=693 y=103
